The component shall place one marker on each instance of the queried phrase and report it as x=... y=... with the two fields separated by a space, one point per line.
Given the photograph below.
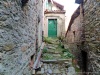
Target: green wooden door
x=52 y=28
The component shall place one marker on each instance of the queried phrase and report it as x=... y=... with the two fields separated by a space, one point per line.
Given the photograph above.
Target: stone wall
x=19 y=28
x=87 y=50
x=92 y=34
x=74 y=35
x=75 y=31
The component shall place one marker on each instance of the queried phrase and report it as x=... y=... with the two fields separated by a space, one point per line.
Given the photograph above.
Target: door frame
x=47 y=23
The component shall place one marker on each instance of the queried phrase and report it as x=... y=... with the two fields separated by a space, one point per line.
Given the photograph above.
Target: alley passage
x=56 y=60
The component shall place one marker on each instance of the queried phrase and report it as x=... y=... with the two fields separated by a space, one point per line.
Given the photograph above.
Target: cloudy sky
x=69 y=5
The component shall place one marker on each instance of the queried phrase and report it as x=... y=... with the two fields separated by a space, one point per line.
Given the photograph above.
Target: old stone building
x=54 y=19
x=74 y=34
x=83 y=36
x=20 y=34
x=75 y=28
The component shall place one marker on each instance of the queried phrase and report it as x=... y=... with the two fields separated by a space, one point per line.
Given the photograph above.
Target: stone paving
x=53 y=69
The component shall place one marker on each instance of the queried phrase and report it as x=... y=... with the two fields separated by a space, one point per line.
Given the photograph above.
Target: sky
x=70 y=6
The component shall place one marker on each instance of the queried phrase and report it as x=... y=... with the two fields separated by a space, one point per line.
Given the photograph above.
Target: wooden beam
x=35 y=66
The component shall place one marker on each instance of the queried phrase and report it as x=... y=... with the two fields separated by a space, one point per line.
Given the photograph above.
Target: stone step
x=51 y=48
x=57 y=61
x=53 y=52
x=56 y=55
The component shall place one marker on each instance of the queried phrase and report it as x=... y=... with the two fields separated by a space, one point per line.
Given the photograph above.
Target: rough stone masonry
x=84 y=37
x=92 y=34
x=18 y=35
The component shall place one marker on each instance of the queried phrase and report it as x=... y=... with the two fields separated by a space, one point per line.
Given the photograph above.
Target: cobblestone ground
x=53 y=61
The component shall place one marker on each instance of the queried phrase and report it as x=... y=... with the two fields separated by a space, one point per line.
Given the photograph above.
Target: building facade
x=54 y=19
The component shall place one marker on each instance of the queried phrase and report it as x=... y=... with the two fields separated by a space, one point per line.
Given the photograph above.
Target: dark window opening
x=84 y=61
x=38 y=18
x=31 y=61
x=42 y=36
x=32 y=57
x=24 y=2
x=74 y=33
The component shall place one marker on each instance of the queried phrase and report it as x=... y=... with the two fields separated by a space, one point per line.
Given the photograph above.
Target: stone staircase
x=54 y=64
x=52 y=69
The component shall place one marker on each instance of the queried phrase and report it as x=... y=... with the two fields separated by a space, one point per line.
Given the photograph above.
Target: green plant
x=61 y=38
x=59 y=45
x=67 y=54
x=45 y=50
x=48 y=40
x=76 y=68
x=47 y=57
x=65 y=50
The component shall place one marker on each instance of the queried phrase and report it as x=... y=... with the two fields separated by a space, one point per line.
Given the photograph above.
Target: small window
x=74 y=33
x=31 y=61
x=24 y=2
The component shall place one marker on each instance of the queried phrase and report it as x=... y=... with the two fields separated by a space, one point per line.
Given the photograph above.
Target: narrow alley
x=49 y=37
